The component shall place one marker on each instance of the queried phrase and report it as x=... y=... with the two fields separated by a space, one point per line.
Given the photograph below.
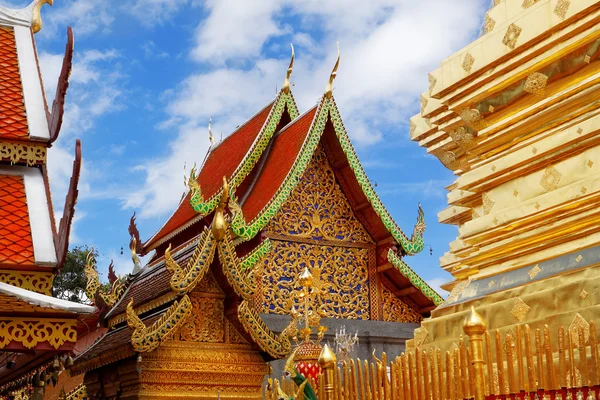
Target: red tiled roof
x=279 y=162
x=222 y=161
x=13 y=121
x=16 y=244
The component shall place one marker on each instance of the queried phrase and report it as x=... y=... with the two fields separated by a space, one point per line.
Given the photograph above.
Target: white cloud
x=433 y=188
x=151 y=12
x=236 y=29
x=92 y=93
x=435 y=285
x=86 y=17
x=388 y=48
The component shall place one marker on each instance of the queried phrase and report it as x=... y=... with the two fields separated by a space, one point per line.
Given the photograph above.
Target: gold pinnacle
x=306 y=278
x=474 y=323
x=327 y=358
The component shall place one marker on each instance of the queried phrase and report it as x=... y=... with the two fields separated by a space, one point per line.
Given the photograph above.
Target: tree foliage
x=69 y=283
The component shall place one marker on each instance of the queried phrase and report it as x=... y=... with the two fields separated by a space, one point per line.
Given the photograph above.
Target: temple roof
x=279 y=161
x=40 y=302
x=29 y=238
x=26 y=236
x=224 y=159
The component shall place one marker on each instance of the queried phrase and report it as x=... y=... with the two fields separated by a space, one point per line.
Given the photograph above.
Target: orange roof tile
x=222 y=161
x=16 y=244
x=13 y=121
x=279 y=162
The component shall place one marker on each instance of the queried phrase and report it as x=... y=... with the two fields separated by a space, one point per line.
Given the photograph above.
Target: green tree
x=69 y=283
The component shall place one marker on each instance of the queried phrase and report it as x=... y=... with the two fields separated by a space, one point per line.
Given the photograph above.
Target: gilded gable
x=318 y=208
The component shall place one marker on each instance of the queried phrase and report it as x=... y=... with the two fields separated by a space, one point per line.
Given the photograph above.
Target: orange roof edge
x=184 y=216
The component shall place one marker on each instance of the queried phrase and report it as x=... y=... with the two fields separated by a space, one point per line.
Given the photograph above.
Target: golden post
x=327 y=361
x=474 y=327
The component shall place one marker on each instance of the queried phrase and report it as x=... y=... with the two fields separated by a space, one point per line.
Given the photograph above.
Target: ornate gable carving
x=318 y=209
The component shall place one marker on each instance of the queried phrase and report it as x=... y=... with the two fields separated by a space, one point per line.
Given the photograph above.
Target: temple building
x=38 y=332
x=282 y=193
x=515 y=116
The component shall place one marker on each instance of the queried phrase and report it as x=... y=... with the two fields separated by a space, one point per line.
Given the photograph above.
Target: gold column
x=327 y=361
x=474 y=327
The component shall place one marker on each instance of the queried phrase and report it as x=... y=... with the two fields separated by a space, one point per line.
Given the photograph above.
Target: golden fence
x=521 y=364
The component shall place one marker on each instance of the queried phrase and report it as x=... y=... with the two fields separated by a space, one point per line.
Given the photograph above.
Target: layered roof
x=28 y=235
x=222 y=160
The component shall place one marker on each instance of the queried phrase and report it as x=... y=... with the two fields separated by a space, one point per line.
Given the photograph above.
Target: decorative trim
x=144 y=339
x=411 y=246
x=94 y=287
x=31 y=332
x=414 y=279
x=64 y=230
x=40 y=282
x=185 y=279
x=79 y=393
x=278 y=346
x=144 y=308
x=239 y=273
x=58 y=105
x=319 y=242
x=260 y=144
x=374 y=288
x=29 y=153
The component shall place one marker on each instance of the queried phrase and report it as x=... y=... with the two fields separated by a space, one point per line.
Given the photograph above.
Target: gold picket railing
x=482 y=365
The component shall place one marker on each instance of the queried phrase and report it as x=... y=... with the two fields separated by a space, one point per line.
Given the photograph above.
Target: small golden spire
x=219 y=224
x=286 y=83
x=327 y=358
x=329 y=87
x=306 y=278
x=474 y=323
x=211 y=137
x=36 y=20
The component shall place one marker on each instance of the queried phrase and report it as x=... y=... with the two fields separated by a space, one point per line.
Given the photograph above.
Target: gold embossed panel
x=395 y=310
x=40 y=282
x=344 y=268
x=318 y=209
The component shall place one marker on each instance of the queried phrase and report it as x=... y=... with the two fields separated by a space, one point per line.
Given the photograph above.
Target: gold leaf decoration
x=520 y=310
x=534 y=271
x=550 y=179
x=535 y=83
x=512 y=35
x=468 y=62
x=579 y=323
x=561 y=8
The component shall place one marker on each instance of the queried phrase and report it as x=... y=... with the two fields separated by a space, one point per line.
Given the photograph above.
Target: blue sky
x=148 y=74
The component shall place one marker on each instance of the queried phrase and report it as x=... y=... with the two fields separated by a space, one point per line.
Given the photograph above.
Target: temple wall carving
x=317 y=228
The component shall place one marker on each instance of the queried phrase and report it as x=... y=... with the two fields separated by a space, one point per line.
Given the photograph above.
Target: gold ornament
x=30 y=333
x=22 y=153
x=40 y=282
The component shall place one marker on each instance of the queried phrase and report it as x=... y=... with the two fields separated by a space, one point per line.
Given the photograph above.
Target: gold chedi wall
x=515 y=116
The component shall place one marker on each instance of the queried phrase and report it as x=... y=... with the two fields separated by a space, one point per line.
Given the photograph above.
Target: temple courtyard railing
x=523 y=364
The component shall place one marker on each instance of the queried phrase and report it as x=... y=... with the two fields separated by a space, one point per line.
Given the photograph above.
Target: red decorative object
x=306 y=360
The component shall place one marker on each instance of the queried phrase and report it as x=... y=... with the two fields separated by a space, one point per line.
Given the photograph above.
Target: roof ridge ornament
x=211 y=137
x=329 y=87
x=36 y=20
x=285 y=88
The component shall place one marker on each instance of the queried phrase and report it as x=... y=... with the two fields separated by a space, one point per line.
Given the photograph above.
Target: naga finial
x=286 y=83
x=211 y=137
x=36 y=20
x=329 y=87
x=219 y=225
x=137 y=264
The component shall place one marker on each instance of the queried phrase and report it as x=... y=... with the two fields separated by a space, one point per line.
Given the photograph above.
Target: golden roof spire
x=36 y=20
x=286 y=83
x=211 y=137
x=329 y=87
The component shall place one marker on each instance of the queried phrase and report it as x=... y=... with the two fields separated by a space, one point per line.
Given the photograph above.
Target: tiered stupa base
x=184 y=370
x=570 y=300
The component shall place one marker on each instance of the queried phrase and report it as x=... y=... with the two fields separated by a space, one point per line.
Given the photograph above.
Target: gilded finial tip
x=327 y=359
x=329 y=87
x=306 y=278
x=474 y=323
x=286 y=83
